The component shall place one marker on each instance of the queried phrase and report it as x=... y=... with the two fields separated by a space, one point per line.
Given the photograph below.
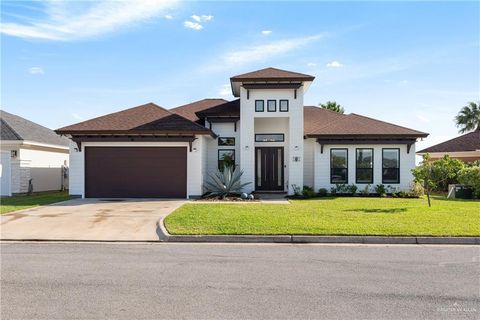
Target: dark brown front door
x=269 y=168
x=136 y=172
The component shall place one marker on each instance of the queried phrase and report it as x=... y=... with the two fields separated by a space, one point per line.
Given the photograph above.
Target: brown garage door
x=136 y=172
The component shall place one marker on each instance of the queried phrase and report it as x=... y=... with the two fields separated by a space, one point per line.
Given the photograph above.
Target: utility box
x=460 y=191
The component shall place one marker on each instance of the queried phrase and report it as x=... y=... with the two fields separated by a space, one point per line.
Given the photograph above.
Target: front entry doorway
x=269 y=169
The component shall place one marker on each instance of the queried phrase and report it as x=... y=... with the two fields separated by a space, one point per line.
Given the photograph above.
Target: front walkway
x=89 y=219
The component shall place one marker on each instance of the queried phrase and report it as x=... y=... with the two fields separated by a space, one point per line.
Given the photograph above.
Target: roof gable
x=466 y=142
x=14 y=127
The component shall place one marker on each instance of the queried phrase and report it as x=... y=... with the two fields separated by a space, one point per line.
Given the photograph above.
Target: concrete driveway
x=89 y=219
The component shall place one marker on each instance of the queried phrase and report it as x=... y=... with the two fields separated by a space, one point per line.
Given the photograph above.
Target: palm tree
x=468 y=118
x=333 y=106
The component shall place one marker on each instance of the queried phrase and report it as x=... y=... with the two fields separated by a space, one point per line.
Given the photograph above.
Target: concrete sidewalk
x=89 y=220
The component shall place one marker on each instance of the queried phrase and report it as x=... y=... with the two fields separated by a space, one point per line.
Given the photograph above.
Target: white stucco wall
x=5 y=173
x=195 y=163
x=44 y=158
x=248 y=128
x=309 y=162
x=322 y=165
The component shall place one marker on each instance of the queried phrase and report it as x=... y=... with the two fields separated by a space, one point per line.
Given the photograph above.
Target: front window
x=391 y=166
x=364 y=166
x=338 y=166
x=224 y=141
x=226 y=157
x=272 y=105
x=283 y=105
x=259 y=105
x=269 y=137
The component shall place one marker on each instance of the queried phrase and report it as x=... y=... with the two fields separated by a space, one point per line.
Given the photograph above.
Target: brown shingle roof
x=147 y=117
x=322 y=122
x=189 y=110
x=227 y=109
x=271 y=74
x=466 y=142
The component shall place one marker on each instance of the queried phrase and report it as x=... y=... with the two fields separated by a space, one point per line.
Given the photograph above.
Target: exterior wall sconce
x=13 y=153
x=246 y=147
x=296 y=159
x=296 y=148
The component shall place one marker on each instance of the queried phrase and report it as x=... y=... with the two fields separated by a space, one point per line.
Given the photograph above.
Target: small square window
x=224 y=141
x=283 y=105
x=259 y=105
x=272 y=105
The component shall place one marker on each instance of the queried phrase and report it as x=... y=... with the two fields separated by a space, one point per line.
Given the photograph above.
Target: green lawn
x=332 y=216
x=9 y=204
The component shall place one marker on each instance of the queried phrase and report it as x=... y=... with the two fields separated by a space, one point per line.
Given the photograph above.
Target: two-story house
x=277 y=141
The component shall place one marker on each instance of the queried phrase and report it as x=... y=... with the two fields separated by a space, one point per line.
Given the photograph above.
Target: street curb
x=299 y=239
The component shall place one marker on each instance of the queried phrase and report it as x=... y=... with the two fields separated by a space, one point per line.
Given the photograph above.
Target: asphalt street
x=244 y=281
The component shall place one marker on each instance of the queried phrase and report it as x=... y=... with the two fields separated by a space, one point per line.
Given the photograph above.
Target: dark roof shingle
x=466 y=142
x=271 y=74
x=147 y=117
x=227 y=109
x=14 y=127
x=322 y=122
x=189 y=110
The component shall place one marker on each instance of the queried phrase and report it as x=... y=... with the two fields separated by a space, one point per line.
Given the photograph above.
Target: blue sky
x=411 y=63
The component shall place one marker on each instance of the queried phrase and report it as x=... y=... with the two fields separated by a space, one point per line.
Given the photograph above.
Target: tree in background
x=468 y=119
x=333 y=106
x=423 y=174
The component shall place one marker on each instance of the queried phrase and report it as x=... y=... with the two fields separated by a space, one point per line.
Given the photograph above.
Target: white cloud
x=65 y=21
x=422 y=118
x=193 y=25
x=168 y=16
x=76 y=116
x=334 y=64
x=266 y=32
x=225 y=90
x=311 y=64
x=202 y=18
x=36 y=70
x=263 y=52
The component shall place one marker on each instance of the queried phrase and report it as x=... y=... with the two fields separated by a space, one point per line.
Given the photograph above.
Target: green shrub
x=352 y=189
x=308 y=192
x=471 y=176
x=380 y=190
x=333 y=191
x=416 y=190
x=322 y=192
x=224 y=183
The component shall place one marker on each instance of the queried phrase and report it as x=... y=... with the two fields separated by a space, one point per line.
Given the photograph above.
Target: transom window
x=259 y=105
x=338 y=166
x=271 y=105
x=283 y=105
x=269 y=137
x=225 y=157
x=364 y=166
x=226 y=141
x=390 y=165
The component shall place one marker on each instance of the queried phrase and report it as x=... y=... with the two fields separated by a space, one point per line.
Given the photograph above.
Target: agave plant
x=226 y=182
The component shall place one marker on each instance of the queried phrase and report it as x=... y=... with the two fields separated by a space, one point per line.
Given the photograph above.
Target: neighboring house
x=279 y=143
x=465 y=148
x=30 y=151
